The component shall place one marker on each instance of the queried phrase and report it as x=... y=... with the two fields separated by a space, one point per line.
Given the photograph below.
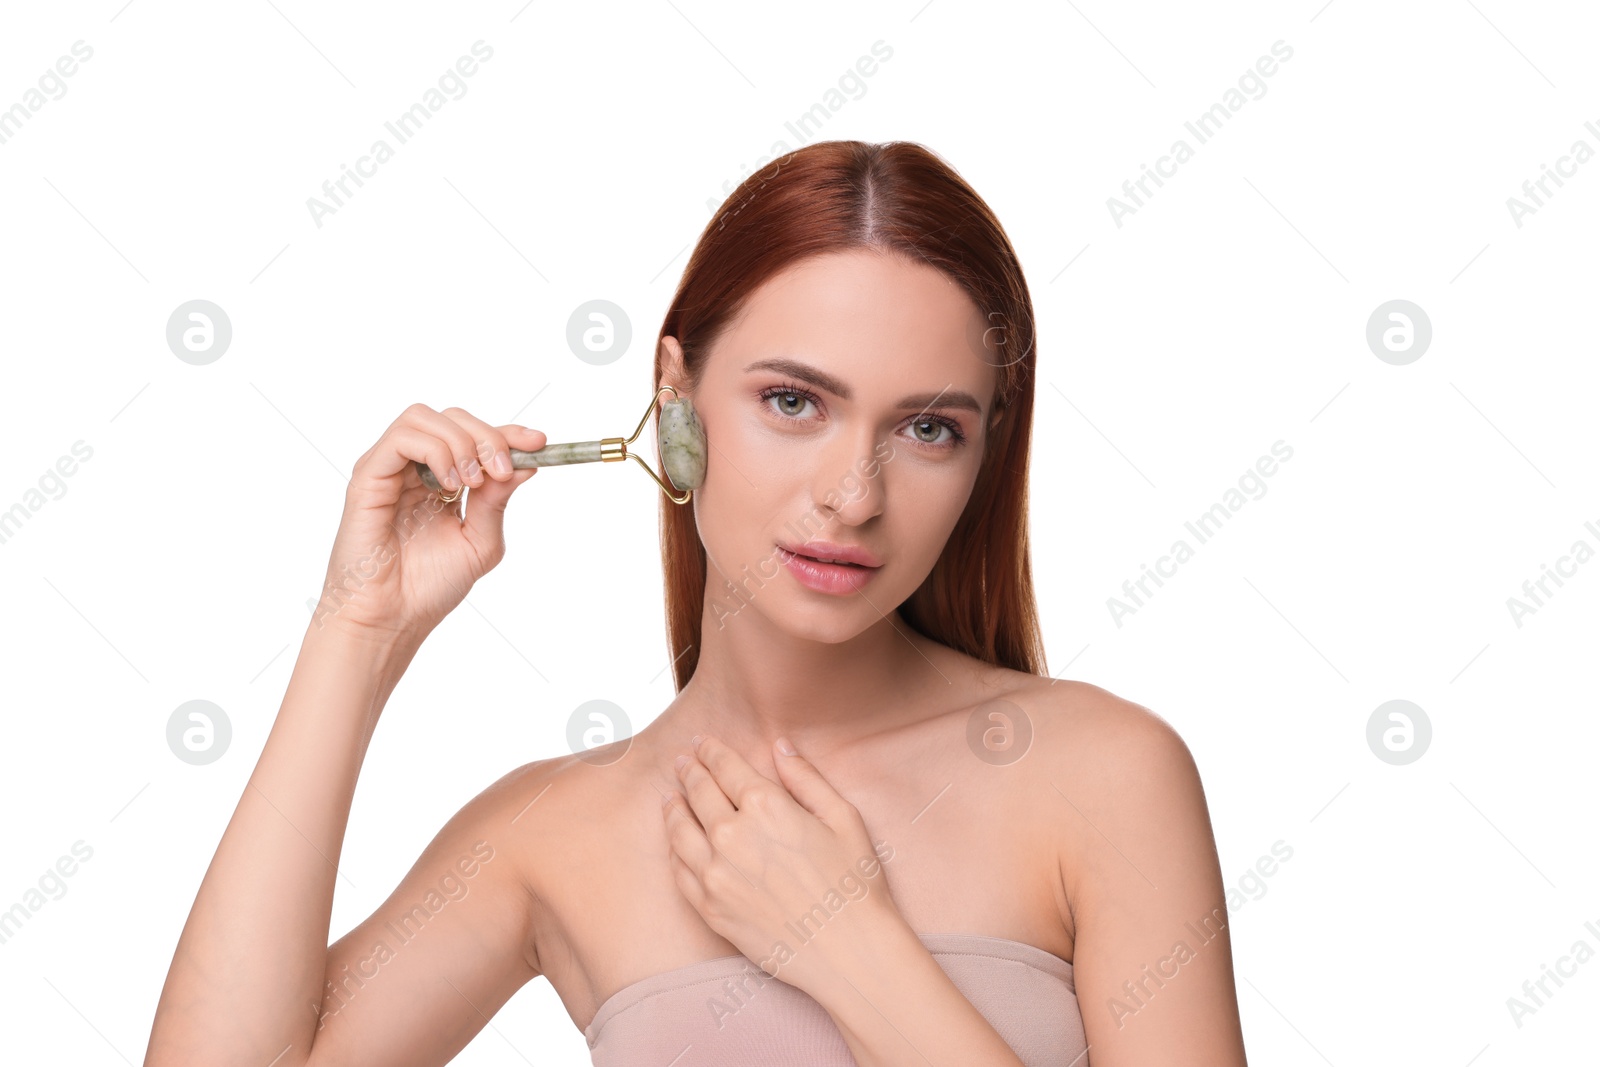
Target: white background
x=1227 y=314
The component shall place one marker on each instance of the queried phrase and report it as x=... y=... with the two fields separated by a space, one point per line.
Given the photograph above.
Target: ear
x=672 y=364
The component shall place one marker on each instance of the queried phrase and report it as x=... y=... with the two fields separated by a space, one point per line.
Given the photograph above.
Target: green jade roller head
x=680 y=440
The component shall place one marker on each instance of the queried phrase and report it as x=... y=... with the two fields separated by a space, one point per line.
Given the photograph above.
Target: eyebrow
x=947 y=397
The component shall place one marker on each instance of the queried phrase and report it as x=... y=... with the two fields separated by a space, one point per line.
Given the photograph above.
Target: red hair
x=836 y=196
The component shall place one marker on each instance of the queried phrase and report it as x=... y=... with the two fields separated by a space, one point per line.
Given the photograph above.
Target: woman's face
x=846 y=411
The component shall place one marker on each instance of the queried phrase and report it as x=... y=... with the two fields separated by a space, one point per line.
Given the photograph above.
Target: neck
x=755 y=683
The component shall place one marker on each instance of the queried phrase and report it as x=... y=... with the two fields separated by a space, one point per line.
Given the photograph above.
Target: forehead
x=875 y=319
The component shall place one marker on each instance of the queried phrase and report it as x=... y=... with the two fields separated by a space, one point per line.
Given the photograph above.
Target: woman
x=889 y=836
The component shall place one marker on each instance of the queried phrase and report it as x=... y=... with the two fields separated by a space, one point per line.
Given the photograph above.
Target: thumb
x=483 y=522
x=807 y=785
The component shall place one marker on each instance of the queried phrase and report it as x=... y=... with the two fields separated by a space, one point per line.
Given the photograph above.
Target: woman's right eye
x=787 y=403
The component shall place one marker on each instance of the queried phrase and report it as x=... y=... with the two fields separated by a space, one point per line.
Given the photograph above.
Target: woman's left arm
x=1152 y=943
x=789 y=875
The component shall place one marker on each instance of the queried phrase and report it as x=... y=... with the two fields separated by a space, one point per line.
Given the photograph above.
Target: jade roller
x=680 y=440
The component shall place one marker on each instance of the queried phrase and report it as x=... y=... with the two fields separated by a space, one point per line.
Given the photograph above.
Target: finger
x=524 y=437
x=685 y=838
x=710 y=804
x=485 y=515
x=732 y=771
x=397 y=453
x=412 y=439
x=813 y=792
x=689 y=884
x=462 y=440
x=490 y=446
x=484 y=524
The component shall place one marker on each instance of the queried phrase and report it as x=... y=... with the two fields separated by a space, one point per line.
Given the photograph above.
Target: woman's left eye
x=928 y=431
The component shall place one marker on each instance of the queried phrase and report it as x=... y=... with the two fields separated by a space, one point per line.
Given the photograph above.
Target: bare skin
x=982 y=835
x=1095 y=845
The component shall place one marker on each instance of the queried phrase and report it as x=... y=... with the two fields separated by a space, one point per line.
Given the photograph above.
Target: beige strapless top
x=728 y=1012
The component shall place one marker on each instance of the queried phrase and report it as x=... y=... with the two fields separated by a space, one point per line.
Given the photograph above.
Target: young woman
x=889 y=836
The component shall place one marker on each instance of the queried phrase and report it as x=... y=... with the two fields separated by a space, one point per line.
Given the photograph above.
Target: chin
x=831 y=623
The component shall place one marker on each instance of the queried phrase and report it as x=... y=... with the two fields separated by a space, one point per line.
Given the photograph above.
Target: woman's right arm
x=253 y=980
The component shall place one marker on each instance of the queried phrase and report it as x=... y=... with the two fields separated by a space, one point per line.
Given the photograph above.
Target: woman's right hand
x=402 y=559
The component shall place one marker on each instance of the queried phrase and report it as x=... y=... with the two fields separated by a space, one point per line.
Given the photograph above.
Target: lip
x=837 y=579
x=829 y=550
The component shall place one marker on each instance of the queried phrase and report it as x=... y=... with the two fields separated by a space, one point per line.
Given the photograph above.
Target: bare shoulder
x=1072 y=730
x=557 y=817
x=523 y=815
x=1094 y=734
x=1122 y=770
x=1074 y=727
x=1096 y=749
x=1131 y=801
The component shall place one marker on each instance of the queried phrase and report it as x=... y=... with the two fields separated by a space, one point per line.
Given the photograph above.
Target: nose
x=849 y=481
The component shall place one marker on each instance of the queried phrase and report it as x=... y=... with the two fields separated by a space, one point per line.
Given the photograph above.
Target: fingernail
x=502 y=463
x=695 y=740
x=680 y=761
x=785 y=747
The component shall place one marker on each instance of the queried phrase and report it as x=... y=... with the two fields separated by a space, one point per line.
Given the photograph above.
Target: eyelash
x=766 y=395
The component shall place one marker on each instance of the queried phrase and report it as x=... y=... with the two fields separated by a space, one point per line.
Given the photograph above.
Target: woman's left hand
x=771 y=867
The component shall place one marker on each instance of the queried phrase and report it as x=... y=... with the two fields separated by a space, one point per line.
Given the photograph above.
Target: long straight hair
x=836 y=196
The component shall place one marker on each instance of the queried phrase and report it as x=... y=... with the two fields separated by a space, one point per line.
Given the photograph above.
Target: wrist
x=845 y=955
x=383 y=654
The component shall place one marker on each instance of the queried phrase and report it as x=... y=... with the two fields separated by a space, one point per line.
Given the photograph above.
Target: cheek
x=747 y=485
x=924 y=506
x=755 y=457
x=753 y=472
